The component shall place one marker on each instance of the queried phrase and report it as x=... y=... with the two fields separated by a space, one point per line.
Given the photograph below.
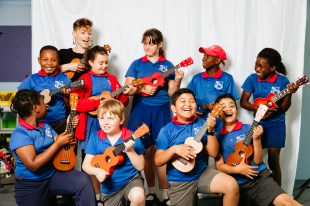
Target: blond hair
x=112 y=106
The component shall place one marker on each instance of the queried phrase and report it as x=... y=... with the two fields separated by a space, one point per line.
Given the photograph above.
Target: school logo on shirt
x=58 y=84
x=219 y=85
x=163 y=68
x=48 y=132
x=240 y=137
x=196 y=130
x=275 y=90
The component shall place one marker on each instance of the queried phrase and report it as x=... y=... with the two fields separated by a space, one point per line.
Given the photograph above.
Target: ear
x=39 y=60
x=173 y=108
x=90 y=63
x=74 y=34
x=218 y=60
x=160 y=45
x=122 y=119
x=273 y=68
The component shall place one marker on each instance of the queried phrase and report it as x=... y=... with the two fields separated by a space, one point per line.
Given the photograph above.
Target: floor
x=7 y=194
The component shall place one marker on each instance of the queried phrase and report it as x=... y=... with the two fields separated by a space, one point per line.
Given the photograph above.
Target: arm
x=212 y=146
x=136 y=160
x=245 y=103
x=89 y=169
x=75 y=67
x=174 y=85
x=34 y=161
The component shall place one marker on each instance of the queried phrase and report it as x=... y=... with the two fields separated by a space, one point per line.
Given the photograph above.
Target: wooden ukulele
x=184 y=165
x=109 y=95
x=244 y=149
x=70 y=74
x=158 y=79
x=113 y=156
x=47 y=94
x=65 y=158
x=272 y=98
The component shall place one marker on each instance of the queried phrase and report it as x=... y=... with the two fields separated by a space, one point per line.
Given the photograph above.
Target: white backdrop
x=241 y=27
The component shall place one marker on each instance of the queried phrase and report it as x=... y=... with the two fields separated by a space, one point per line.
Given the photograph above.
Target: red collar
x=43 y=74
x=125 y=134
x=217 y=74
x=160 y=59
x=98 y=75
x=175 y=120
x=271 y=79
x=238 y=126
x=27 y=125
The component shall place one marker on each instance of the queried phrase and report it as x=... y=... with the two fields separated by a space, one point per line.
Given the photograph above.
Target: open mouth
x=228 y=114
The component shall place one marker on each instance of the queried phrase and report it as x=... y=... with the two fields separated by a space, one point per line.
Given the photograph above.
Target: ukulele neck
x=119 y=91
x=248 y=139
x=70 y=127
x=121 y=147
x=164 y=75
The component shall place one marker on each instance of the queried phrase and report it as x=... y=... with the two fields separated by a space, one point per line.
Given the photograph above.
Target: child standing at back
x=269 y=77
x=170 y=146
x=151 y=106
x=50 y=78
x=126 y=182
x=82 y=34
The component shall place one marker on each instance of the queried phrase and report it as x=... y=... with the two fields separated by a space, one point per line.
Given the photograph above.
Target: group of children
x=43 y=127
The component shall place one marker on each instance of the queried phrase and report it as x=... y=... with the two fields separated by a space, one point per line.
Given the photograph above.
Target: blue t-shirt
x=57 y=109
x=124 y=172
x=262 y=88
x=228 y=141
x=207 y=89
x=100 y=84
x=144 y=68
x=41 y=138
x=176 y=134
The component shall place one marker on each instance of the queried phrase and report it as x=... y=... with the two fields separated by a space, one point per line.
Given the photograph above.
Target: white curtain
x=241 y=27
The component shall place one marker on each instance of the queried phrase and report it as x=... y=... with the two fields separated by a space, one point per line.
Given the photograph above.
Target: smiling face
x=83 y=36
x=48 y=60
x=263 y=69
x=230 y=111
x=185 y=107
x=110 y=123
x=209 y=62
x=100 y=64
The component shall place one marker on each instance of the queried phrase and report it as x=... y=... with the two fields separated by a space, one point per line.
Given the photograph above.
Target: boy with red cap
x=211 y=83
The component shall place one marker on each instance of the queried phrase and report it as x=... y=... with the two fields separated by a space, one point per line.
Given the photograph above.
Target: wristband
x=212 y=132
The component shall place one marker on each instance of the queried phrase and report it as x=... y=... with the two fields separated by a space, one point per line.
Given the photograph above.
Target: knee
x=137 y=196
x=232 y=188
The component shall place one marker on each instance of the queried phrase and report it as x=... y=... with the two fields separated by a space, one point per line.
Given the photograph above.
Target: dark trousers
x=74 y=183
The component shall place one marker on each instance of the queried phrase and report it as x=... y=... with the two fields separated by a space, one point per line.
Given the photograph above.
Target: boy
x=208 y=85
x=125 y=183
x=257 y=187
x=170 y=144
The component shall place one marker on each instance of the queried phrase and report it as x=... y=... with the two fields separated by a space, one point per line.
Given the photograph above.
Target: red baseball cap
x=214 y=50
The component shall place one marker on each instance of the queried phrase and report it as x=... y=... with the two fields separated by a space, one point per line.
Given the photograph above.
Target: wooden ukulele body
x=266 y=101
x=241 y=151
x=65 y=159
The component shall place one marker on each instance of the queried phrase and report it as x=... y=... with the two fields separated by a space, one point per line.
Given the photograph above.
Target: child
x=82 y=34
x=267 y=79
x=96 y=81
x=170 y=145
x=126 y=183
x=211 y=83
x=50 y=78
x=34 y=144
x=257 y=187
x=152 y=109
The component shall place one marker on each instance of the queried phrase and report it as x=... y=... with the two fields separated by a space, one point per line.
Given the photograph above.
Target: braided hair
x=24 y=101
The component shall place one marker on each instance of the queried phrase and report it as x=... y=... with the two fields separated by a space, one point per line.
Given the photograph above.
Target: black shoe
x=153 y=201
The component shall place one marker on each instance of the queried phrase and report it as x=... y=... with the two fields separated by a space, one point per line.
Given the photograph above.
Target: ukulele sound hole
x=108 y=159
x=154 y=81
x=241 y=153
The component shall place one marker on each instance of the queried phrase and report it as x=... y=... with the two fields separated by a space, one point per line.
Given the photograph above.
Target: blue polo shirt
x=260 y=88
x=208 y=88
x=41 y=138
x=144 y=68
x=40 y=81
x=124 y=172
x=175 y=133
x=100 y=83
x=228 y=141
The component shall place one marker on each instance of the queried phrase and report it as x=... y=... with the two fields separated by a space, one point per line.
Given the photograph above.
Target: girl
x=34 y=144
x=269 y=77
x=117 y=187
x=82 y=34
x=97 y=80
x=152 y=109
x=50 y=78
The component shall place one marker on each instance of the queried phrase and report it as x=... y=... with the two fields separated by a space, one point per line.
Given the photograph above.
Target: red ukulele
x=113 y=156
x=65 y=158
x=158 y=79
x=184 y=165
x=244 y=149
x=272 y=98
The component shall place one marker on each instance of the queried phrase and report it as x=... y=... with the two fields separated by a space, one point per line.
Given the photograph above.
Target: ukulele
x=158 y=79
x=65 y=158
x=113 y=156
x=245 y=148
x=108 y=95
x=47 y=94
x=70 y=74
x=272 y=98
x=184 y=165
